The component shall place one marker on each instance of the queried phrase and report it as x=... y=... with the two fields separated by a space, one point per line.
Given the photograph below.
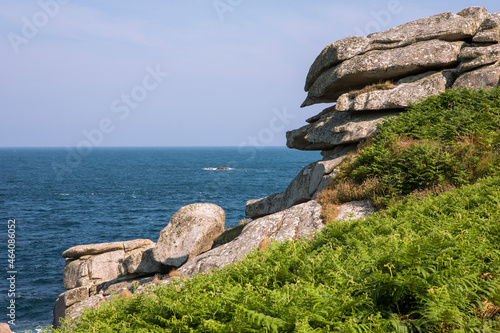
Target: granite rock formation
x=377 y=76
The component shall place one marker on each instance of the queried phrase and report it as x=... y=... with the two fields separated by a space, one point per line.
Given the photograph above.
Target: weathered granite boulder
x=88 y=265
x=408 y=90
x=72 y=303
x=474 y=57
x=489 y=31
x=484 y=77
x=62 y=311
x=445 y=26
x=378 y=65
x=190 y=232
x=304 y=186
x=4 y=328
x=337 y=128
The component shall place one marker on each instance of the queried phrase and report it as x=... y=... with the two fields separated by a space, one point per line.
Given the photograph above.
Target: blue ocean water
x=114 y=194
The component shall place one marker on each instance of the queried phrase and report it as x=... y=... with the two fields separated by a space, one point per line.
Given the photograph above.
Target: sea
x=54 y=198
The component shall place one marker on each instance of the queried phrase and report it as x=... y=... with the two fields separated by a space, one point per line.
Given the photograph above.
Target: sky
x=176 y=72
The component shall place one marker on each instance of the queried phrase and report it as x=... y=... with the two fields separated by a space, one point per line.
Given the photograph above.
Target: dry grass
x=264 y=243
x=372 y=87
x=174 y=273
x=125 y=294
x=156 y=280
x=346 y=191
x=488 y=311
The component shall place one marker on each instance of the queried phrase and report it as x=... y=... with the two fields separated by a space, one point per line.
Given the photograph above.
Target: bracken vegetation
x=445 y=141
x=429 y=262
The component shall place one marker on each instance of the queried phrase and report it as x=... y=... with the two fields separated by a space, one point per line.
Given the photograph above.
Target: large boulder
x=93 y=249
x=484 y=77
x=190 y=232
x=337 y=128
x=445 y=26
x=406 y=91
x=378 y=65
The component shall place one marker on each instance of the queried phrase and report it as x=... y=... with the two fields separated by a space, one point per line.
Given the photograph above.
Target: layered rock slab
x=444 y=26
x=407 y=91
x=489 y=31
x=484 y=77
x=88 y=265
x=337 y=128
x=375 y=66
x=478 y=56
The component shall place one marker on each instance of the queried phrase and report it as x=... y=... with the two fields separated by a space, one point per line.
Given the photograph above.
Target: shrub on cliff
x=445 y=141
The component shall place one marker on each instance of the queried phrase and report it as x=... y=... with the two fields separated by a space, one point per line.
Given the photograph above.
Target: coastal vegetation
x=428 y=261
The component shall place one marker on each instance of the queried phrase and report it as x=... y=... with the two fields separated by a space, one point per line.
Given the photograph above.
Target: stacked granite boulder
x=382 y=73
x=375 y=77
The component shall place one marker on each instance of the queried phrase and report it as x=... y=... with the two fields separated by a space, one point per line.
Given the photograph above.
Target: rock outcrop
x=191 y=231
x=377 y=76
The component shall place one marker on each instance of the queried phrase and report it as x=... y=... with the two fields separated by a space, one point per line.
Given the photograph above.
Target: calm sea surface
x=114 y=194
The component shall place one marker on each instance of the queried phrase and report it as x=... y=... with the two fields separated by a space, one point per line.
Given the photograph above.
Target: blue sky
x=173 y=73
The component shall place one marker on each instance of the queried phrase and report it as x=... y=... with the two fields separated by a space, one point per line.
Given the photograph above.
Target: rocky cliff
x=373 y=77
x=369 y=79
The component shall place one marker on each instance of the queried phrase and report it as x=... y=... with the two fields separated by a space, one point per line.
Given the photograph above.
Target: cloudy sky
x=175 y=72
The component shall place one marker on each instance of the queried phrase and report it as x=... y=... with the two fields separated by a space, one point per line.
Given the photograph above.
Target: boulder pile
x=370 y=78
